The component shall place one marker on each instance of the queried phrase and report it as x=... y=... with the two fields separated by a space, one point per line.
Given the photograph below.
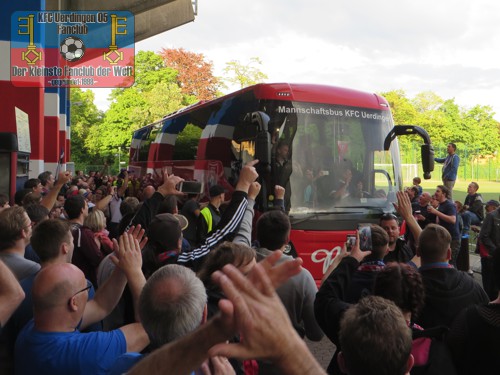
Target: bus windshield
x=330 y=158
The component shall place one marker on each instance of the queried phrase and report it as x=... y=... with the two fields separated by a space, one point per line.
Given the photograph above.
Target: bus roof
x=300 y=92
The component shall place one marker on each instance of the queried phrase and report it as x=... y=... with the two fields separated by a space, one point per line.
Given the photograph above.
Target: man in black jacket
x=473 y=208
x=228 y=224
x=351 y=280
x=447 y=290
x=489 y=241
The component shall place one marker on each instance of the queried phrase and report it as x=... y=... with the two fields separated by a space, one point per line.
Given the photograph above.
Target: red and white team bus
x=330 y=132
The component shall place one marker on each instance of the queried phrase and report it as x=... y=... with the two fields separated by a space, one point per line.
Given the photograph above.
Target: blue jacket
x=450 y=167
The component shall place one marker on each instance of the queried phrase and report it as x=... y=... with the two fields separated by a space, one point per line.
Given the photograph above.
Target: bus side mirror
x=427 y=153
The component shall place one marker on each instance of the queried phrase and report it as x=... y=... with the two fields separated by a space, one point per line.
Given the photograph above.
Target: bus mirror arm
x=262 y=141
x=261 y=119
x=427 y=151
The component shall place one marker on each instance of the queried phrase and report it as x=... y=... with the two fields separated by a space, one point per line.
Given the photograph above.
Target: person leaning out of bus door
x=210 y=215
x=282 y=169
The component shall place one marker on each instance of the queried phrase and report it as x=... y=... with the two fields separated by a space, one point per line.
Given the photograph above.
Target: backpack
x=429 y=343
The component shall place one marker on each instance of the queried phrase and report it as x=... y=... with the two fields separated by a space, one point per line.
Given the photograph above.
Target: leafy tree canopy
x=471 y=129
x=154 y=94
x=195 y=76
x=244 y=75
x=84 y=116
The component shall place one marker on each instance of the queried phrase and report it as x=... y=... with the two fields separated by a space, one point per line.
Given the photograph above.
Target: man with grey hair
x=172 y=304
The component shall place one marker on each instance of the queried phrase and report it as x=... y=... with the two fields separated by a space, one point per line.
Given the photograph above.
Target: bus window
x=186 y=143
x=148 y=138
x=334 y=151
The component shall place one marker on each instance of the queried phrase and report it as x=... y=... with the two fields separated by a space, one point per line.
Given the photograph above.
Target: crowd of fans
x=114 y=275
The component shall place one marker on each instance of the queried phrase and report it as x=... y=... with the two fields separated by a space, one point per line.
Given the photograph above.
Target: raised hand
x=259 y=315
x=254 y=190
x=127 y=254
x=137 y=233
x=64 y=177
x=169 y=184
x=248 y=174
x=403 y=207
x=356 y=252
x=279 y=192
x=217 y=366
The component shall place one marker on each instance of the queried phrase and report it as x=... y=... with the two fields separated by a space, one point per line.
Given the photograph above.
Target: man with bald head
x=53 y=242
x=420 y=210
x=148 y=192
x=51 y=343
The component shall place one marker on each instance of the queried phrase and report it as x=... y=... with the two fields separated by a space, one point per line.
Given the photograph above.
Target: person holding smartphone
x=349 y=282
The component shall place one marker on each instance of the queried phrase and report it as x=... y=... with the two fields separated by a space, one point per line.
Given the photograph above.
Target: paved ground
x=324 y=349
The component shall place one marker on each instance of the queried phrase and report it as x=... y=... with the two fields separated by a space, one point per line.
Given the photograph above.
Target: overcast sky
x=450 y=47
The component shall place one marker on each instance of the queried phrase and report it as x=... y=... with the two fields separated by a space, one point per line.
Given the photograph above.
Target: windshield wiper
x=300 y=218
x=311 y=215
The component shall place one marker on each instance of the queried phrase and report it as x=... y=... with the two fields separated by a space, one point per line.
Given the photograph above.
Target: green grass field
x=488 y=189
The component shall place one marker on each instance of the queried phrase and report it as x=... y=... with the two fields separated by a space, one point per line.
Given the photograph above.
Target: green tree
x=474 y=130
x=403 y=111
x=483 y=132
x=84 y=116
x=186 y=143
x=154 y=94
x=431 y=118
x=244 y=75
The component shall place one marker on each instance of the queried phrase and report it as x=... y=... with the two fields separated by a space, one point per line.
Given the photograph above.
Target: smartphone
x=365 y=237
x=191 y=187
x=351 y=241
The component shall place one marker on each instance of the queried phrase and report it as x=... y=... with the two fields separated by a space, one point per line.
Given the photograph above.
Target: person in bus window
x=342 y=189
x=282 y=169
x=309 y=189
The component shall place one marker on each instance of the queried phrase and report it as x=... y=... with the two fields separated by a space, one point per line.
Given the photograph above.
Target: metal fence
x=473 y=165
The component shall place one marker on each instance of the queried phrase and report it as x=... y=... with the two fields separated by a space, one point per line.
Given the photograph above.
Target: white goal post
x=408 y=171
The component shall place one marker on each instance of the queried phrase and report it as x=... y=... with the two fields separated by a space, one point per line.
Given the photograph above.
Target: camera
x=191 y=187
x=365 y=237
x=351 y=241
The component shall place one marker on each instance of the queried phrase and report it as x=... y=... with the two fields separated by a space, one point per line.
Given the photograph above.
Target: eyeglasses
x=81 y=291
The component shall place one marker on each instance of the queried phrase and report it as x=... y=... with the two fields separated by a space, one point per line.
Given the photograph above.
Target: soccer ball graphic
x=72 y=48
